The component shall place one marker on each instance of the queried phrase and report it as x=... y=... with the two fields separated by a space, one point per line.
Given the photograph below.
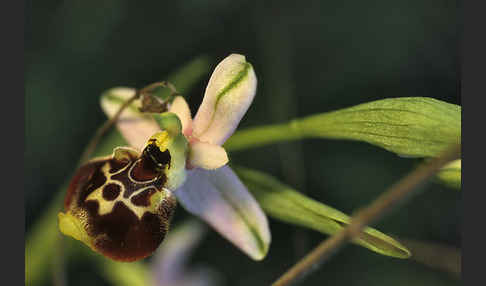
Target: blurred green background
x=309 y=57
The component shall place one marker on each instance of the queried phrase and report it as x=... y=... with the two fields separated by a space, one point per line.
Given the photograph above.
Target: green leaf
x=450 y=175
x=408 y=126
x=283 y=203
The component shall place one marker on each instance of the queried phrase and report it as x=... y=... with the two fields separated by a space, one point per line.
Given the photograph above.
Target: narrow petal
x=207 y=156
x=134 y=126
x=228 y=95
x=220 y=198
x=180 y=107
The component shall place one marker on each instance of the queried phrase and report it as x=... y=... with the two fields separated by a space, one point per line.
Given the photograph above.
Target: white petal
x=134 y=126
x=207 y=156
x=220 y=198
x=179 y=106
x=228 y=95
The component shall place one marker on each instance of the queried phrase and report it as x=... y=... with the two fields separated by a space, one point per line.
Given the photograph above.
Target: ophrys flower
x=195 y=172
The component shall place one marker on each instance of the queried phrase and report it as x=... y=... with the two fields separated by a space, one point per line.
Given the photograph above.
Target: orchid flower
x=189 y=154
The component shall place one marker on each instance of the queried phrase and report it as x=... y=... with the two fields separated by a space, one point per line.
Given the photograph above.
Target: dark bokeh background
x=309 y=56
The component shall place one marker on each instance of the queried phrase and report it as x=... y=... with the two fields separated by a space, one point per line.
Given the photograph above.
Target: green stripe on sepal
x=283 y=203
x=246 y=66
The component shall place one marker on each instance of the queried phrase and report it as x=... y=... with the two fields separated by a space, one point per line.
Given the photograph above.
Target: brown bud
x=152 y=104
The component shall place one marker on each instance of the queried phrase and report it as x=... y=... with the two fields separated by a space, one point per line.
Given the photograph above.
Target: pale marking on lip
x=135 y=181
x=106 y=207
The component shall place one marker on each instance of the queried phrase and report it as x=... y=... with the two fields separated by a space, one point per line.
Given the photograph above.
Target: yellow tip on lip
x=71 y=226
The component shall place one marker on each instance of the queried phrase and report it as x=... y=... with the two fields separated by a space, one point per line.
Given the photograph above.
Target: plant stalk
x=396 y=194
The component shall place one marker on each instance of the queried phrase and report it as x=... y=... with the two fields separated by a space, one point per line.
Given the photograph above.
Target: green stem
x=105 y=128
x=383 y=204
x=262 y=135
